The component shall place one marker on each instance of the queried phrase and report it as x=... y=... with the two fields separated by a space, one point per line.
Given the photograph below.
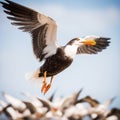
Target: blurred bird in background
x=71 y=107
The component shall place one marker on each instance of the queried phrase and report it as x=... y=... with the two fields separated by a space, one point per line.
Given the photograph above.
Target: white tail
x=33 y=76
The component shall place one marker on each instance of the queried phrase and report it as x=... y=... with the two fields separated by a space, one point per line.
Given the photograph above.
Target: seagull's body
x=54 y=64
x=43 y=30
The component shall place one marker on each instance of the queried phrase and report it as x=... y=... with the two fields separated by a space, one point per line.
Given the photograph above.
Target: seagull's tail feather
x=33 y=75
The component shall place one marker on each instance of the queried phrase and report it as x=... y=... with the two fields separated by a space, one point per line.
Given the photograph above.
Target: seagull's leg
x=48 y=86
x=44 y=81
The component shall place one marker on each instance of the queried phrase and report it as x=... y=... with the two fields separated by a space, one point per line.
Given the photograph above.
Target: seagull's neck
x=70 y=50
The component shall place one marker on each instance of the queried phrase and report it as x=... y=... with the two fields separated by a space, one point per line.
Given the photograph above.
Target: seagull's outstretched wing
x=92 y=45
x=42 y=28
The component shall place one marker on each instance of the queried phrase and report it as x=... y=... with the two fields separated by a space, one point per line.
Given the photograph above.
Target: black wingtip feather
x=102 y=43
x=6 y=2
x=107 y=38
x=3 y=3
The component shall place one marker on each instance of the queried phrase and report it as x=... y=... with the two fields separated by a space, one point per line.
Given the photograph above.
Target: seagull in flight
x=43 y=30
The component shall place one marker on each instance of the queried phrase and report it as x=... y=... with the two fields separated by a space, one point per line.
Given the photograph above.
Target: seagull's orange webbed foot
x=48 y=86
x=44 y=82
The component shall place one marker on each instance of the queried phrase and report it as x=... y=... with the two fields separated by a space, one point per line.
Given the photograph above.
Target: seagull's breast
x=70 y=51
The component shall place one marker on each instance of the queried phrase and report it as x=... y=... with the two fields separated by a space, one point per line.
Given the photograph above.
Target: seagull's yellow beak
x=89 y=42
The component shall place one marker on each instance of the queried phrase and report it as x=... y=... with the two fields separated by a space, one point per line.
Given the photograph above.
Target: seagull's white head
x=71 y=47
x=75 y=41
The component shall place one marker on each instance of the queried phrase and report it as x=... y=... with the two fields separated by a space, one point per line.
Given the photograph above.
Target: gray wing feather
x=39 y=44
x=33 y=22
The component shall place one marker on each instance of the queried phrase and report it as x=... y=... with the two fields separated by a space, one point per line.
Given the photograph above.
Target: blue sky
x=97 y=74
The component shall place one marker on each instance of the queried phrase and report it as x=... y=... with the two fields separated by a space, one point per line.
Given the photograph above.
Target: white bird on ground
x=115 y=112
x=96 y=107
x=37 y=106
x=64 y=103
x=34 y=100
x=9 y=111
x=16 y=103
x=113 y=117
